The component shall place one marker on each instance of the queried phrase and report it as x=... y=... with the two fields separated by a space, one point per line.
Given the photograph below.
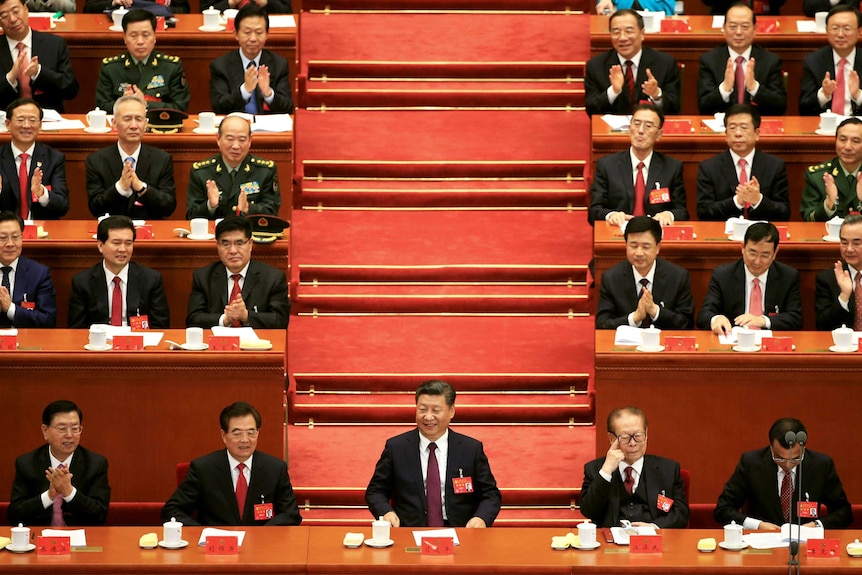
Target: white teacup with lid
x=733 y=534
x=172 y=533
x=212 y=18
x=20 y=537
x=380 y=530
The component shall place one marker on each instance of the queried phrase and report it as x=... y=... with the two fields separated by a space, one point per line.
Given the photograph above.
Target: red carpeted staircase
x=440 y=243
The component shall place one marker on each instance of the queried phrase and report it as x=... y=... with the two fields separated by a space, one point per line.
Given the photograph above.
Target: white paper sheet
x=449 y=532
x=282 y=21
x=77 y=537
x=63 y=125
x=244 y=333
x=733 y=339
x=622 y=538
x=778 y=540
x=628 y=335
x=807 y=26
x=272 y=123
x=718 y=21
x=617 y=123
x=152 y=338
x=213 y=532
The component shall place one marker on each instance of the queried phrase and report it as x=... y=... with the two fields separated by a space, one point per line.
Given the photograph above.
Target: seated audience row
x=235 y=291
x=175 y=6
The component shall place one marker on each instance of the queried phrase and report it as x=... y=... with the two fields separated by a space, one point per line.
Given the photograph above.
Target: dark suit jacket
x=56 y=81
x=663 y=67
x=812 y=7
x=721 y=6
x=53 y=164
x=145 y=295
x=828 y=312
x=600 y=500
x=814 y=67
x=726 y=295
x=154 y=167
x=613 y=187
x=398 y=478
x=99 y=6
x=89 y=476
x=771 y=98
x=272 y=7
x=227 y=74
x=33 y=280
x=671 y=291
x=754 y=485
x=207 y=496
x=264 y=292
x=717 y=181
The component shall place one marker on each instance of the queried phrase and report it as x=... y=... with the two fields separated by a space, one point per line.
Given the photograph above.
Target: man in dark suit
x=60 y=483
x=653 y=75
x=432 y=475
x=117 y=291
x=237 y=291
x=629 y=484
x=740 y=72
x=271 y=6
x=838 y=288
x=250 y=79
x=237 y=485
x=37 y=63
x=752 y=495
x=736 y=289
x=812 y=7
x=639 y=181
x=834 y=188
x=131 y=178
x=645 y=289
x=817 y=92
x=27 y=295
x=43 y=177
x=743 y=181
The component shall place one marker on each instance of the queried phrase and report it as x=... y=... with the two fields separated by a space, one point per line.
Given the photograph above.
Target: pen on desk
x=724 y=331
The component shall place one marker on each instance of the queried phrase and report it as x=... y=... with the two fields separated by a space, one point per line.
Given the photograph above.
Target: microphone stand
x=801 y=440
x=793 y=547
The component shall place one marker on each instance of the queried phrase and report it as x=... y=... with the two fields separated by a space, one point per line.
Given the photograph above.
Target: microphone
x=801 y=438
x=791 y=438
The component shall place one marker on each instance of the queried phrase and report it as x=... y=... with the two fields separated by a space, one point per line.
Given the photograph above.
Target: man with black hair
x=834 y=188
x=27 y=295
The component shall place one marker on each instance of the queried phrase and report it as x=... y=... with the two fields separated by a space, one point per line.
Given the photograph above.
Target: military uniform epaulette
x=204 y=163
x=166 y=57
x=824 y=167
x=111 y=59
x=262 y=162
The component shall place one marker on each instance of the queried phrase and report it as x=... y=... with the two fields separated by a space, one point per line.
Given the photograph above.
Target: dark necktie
x=630 y=83
x=251 y=106
x=630 y=481
x=743 y=179
x=433 y=499
x=241 y=489
x=117 y=303
x=235 y=291
x=640 y=192
x=740 y=80
x=6 y=275
x=786 y=496
x=644 y=283
x=24 y=187
x=23 y=79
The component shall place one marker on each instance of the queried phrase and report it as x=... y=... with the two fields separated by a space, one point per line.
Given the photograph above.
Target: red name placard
x=224 y=342
x=129 y=342
x=679 y=343
x=677 y=127
x=776 y=344
x=8 y=342
x=40 y=22
x=771 y=126
x=823 y=548
x=30 y=232
x=767 y=25
x=677 y=233
x=645 y=544
x=222 y=545
x=52 y=546
x=783 y=232
x=144 y=232
x=669 y=25
x=438 y=546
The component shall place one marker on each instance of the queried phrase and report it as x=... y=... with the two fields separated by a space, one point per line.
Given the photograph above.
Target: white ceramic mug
x=117 y=17
x=206 y=121
x=230 y=13
x=380 y=530
x=833 y=227
x=843 y=337
x=828 y=121
x=746 y=338
x=97 y=119
x=20 y=536
x=194 y=336
x=98 y=335
x=199 y=226
x=587 y=534
x=740 y=226
x=650 y=337
x=733 y=534
x=820 y=21
x=211 y=17
x=172 y=532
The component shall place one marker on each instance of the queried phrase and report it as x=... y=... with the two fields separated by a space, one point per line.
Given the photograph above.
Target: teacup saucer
x=26 y=549
x=164 y=544
x=113 y=28
x=728 y=547
x=190 y=347
x=379 y=544
x=199 y=130
x=734 y=238
x=92 y=130
x=218 y=28
x=595 y=545
x=203 y=237
x=645 y=349
x=90 y=347
x=837 y=349
x=820 y=132
x=746 y=349
x=832 y=239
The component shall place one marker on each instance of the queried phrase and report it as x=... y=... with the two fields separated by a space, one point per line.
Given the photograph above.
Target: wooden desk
x=787 y=43
x=805 y=250
x=146 y=410
x=707 y=407
x=185 y=147
x=798 y=146
x=90 y=41
x=71 y=248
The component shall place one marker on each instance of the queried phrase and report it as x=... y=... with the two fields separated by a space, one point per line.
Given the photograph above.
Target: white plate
x=379 y=544
x=203 y=237
x=250 y=348
x=91 y=130
x=820 y=132
x=734 y=238
x=837 y=349
x=113 y=28
x=746 y=349
x=555 y=548
x=199 y=130
x=853 y=553
x=357 y=546
x=27 y=549
x=650 y=349
x=208 y=29
x=105 y=347
x=831 y=239
x=166 y=545
x=595 y=545
x=189 y=347
x=724 y=545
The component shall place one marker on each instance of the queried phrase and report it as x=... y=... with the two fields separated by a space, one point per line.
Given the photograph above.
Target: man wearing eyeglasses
x=233 y=182
x=32 y=174
x=765 y=484
x=830 y=75
x=60 y=483
x=27 y=295
x=740 y=72
x=237 y=485
x=639 y=181
x=238 y=291
x=627 y=484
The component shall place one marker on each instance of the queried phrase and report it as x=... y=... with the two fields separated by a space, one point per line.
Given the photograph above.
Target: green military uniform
x=257 y=177
x=814 y=193
x=161 y=79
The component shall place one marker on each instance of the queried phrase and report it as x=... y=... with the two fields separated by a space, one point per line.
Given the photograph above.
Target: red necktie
x=743 y=179
x=786 y=496
x=640 y=192
x=57 y=510
x=234 y=292
x=117 y=303
x=755 y=304
x=857 y=299
x=630 y=481
x=23 y=78
x=241 y=489
x=433 y=499
x=740 y=80
x=24 y=186
x=838 y=94
x=630 y=83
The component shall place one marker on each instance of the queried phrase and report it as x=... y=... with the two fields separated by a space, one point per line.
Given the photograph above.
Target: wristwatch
x=142 y=190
